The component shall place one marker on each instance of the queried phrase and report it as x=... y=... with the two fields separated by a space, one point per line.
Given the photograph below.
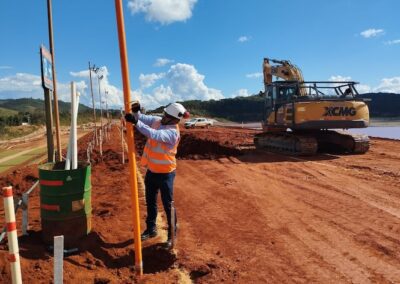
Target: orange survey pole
x=130 y=139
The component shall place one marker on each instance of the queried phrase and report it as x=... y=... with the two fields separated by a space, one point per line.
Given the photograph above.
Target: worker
x=347 y=92
x=159 y=158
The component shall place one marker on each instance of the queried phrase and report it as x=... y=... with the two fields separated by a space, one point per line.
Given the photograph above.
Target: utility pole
x=47 y=83
x=107 y=114
x=99 y=77
x=49 y=126
x=94 y=108
x=55 y=100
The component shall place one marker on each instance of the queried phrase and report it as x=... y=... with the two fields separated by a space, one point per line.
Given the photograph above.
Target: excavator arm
x=284 y=69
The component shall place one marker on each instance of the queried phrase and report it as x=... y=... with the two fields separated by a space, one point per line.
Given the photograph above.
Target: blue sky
x=199 y=49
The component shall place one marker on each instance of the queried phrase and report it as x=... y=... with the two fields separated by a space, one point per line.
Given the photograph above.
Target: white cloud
x=338 y=78
x=114 y=95
x=163 y=11
x=241 y=93
x=390 y=85
x=391 y=42
x=254 y=75
x=21 y=82
x=187 y=83
x=160 y=62
x=181 y=82
x=361 y=88
x=148 y=80
x=23 y=85
x=244 y=38
x=5 y=67
x=372 y=33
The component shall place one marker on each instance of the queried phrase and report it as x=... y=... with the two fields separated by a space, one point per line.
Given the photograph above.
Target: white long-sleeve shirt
x=165 y=133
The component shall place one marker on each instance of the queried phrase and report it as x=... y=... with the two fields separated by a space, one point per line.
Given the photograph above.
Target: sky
x=198 y=49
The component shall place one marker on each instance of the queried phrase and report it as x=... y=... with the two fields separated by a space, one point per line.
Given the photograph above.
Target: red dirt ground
x=245 y=216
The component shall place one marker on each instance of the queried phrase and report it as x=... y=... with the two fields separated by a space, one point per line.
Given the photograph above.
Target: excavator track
x=287 y=143
x=346 y=142
x=308 y=144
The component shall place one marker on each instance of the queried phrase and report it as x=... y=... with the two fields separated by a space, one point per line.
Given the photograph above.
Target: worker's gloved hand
x=131 y=118
x=135 y=106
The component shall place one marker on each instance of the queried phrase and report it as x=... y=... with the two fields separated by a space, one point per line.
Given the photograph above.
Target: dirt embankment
x=245 y=216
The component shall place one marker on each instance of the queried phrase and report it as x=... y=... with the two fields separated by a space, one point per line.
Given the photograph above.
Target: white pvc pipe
x=69 y=147
x=12 y=235
x=73 y=125
x=58 y=252
x=71 y=161
x=74 y=113
x=75 y=157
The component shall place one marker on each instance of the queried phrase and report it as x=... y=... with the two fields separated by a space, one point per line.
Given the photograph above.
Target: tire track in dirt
x=323 y=242
x=321 y=189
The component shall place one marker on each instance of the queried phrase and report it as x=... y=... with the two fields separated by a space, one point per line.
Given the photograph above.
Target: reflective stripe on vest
x=157 y=156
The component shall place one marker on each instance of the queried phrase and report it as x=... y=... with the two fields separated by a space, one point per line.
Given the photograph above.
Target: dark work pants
x=164 y=183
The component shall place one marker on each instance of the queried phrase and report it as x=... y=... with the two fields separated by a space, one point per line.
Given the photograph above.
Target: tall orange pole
x=130 y=138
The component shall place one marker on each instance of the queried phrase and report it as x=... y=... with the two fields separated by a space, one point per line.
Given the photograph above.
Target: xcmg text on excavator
x=302 y=117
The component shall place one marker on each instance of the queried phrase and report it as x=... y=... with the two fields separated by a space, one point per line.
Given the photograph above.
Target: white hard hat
x=176 y=110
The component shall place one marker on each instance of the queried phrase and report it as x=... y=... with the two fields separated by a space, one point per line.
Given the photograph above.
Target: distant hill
x=4 y=112
x=383 y=104
x=235 y=109
x=250 y=108
x=15 y=111
x=33 y=105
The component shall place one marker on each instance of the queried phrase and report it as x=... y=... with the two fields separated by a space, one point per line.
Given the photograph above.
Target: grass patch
x=10 y=132
x=31 y=155
x=4 y=112
x=6 y=153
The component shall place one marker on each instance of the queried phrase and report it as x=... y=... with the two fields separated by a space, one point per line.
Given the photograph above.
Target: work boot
x=148 y=234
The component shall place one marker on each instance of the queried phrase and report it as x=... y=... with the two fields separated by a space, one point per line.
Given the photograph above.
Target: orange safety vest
x=157 y=156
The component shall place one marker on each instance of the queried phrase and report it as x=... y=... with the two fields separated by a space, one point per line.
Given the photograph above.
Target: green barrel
x=65 y=202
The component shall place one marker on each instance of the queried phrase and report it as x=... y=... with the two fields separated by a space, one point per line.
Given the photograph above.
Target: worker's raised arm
x=146 y=119
x=168 y=134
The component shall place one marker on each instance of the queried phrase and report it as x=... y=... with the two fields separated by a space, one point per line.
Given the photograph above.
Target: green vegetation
x=383 y=104
x=10 y=132
x=237 y=109
x=4 y=112
x=15 y=112
x=29 y=156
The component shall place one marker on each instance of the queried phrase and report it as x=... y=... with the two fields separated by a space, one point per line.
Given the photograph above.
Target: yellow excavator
x=304 y=117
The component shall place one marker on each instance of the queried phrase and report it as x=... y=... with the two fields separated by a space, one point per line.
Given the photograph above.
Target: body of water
x=392 y=132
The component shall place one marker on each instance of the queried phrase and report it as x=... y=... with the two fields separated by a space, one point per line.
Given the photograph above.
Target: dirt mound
x=21 y=179
x=205 y=143
x=192 y=147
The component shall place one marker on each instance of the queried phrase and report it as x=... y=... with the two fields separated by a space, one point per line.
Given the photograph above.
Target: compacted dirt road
x=245 y=216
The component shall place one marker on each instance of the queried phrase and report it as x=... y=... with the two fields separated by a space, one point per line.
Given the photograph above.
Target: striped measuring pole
x=13 y=256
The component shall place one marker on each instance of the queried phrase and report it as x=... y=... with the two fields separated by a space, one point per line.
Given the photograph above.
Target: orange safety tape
x=50 y=207
x=7 y=191
x=12 y=257
x=11 y=226
x=51 y=182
